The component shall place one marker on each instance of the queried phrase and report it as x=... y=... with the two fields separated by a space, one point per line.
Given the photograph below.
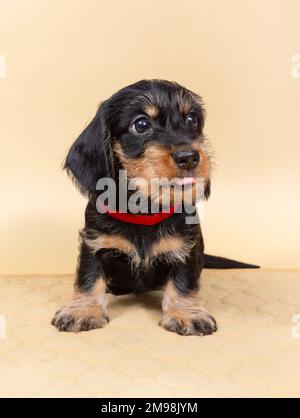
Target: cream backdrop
x=64 y=57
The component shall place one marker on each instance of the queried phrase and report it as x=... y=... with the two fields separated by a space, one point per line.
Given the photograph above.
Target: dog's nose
x=187 y=160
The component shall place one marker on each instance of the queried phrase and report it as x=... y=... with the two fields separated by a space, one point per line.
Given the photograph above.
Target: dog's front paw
x=198 y=322
x=72 y=319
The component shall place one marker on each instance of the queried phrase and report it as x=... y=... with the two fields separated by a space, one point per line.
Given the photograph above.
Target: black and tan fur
x=119 y=257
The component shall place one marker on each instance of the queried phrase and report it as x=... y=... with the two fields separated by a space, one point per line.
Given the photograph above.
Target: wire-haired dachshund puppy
x=151 y=129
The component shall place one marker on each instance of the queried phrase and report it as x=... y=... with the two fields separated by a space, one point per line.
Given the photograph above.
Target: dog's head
x=152 y=129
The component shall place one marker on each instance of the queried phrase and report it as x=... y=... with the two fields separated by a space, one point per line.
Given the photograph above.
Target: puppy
x=150 y=129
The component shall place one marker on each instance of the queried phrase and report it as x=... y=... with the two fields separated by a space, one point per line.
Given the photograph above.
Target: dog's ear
x=90 y=157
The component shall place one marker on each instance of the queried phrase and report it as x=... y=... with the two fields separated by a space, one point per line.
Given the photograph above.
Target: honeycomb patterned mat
x=255 y=353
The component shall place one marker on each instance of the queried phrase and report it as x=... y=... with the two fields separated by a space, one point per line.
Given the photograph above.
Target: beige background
x=63 y=57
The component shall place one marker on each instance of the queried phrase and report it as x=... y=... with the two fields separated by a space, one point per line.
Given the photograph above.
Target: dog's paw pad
x=201 y=324
x=73 y=322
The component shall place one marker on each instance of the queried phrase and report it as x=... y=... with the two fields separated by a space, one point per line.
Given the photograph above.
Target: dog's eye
x=141 y=125
x=192 y=120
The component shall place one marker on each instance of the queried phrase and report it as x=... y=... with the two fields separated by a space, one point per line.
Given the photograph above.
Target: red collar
x=147 y=220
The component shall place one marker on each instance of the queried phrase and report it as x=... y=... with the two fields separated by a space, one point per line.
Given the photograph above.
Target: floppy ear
x=89 y=158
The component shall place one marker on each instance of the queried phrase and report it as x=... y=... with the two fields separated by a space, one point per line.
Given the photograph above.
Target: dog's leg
x=87 y=310
x=182 y=313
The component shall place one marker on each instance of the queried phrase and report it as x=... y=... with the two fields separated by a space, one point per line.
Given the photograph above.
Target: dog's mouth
x=185 y=181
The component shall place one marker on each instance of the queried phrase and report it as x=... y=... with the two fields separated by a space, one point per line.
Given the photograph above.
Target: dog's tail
x=213 y=262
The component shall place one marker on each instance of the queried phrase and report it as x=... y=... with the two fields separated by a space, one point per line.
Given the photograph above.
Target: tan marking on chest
x=172 y=247
x=114 y=242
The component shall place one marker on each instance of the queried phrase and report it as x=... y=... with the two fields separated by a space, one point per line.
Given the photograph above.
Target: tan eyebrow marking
x=184 y=105
x=151 y=111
